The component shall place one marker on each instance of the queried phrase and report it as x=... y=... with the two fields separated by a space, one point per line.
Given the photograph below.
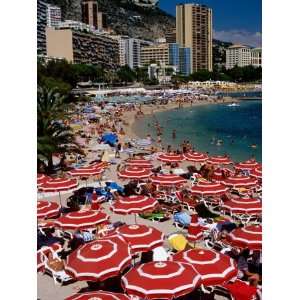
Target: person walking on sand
x=118 y=149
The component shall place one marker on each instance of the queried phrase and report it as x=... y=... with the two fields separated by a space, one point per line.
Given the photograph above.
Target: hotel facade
x=194 y=31
x=82 y=47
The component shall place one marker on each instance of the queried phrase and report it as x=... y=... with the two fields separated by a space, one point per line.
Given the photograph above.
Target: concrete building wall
x=59 y=43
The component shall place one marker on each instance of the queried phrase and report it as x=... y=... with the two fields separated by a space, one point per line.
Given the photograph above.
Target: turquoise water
x=238 y=127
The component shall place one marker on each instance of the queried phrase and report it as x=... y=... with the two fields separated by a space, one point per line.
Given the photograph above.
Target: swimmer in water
x=174 y=134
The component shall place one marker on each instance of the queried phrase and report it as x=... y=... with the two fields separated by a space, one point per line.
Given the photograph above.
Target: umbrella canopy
x=218 y=174
x=42 y=178
x=135 y=173
x=99 y=260
x=141 y=238
x=195 y=156
x=240 y=181
x=195 y=230
x=161 y=280
x=169 y=157
x=241 y=290
x=81 y=219
x=139 y=163
x=86 y=171
x=167 y=179
x=246 y=237
x=247 y=165
x=44 y=251
x=98 y=295
x=133 y=204
x=58 y=185
x=219 y=160
x=257 y=173
x=214 y=267
x=47 y=209
x=209 y=189
x=243 y=206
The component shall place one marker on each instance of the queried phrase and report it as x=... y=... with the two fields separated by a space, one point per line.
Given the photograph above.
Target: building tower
x=89 y=11
x=41 y=27
x=194 y=30
x=53 y=15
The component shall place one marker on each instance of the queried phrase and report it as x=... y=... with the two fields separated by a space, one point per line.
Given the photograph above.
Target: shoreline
x=149 y=109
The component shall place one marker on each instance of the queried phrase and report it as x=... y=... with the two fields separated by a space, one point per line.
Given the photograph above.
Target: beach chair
x=59 y=277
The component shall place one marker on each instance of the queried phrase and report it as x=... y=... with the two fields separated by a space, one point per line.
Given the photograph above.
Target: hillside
x=124 y=17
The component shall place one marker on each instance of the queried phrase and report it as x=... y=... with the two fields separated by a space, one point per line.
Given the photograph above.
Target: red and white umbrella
x=58 y=185
x=135 y=173
x=140 y=163
x=246 y=237
x=133 y=204
x=240 y=181
x=209 y=189
x=195 y=230
x=243 y=206
x=42 y=178
x=141 y=238
x=161 y=280
x=81 y=219
x=86 y=171
x=218 y=174
x=167 y=180
x=170 y=157
x=195 y=156
x=214 y=267
x=257 y=173
x=98 y=295
x=247 y=165
x=47 y=209
x=99 y=259
x=219 y=160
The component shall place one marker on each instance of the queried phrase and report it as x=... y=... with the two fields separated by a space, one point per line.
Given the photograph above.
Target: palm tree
x=52 y=135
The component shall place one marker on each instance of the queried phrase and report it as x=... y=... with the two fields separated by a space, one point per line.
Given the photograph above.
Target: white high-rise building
x=122 y=40
x=256 y=57
x=133 y=52
x=53 y=15
x=238 y=55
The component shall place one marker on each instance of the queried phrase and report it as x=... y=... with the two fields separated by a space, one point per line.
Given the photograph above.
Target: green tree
x=202 y=75
x=125 y=74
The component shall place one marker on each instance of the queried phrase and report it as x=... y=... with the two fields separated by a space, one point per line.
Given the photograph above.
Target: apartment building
x=185 y=67
x=155 y=54
x=194 y=31
x=238 y=55
x=82 y=47
x=53 y=16
x=133 y=52
x=256 y=57
x=41 y=27
x=171 y=36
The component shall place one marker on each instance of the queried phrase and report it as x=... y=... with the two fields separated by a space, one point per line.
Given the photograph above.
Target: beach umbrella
x=257 y=173
x=98 y=295
x=135 y=173
x=243 y=206
x=195 y=156
x=247 y=165
x=195 y=230
x=42 y=178
x=246 y=237
x=133 y=205
x=139 y=163
x=240 y=181
x=86 y=171
x=167 y=180
x=141 y=238
x=58 y=185
x=170 y=157
x=241 y=290
x=43 y=252
x=214 y=267
x=99 y=260
x=209 y=189
x=47 y=209
x=219 y=160
x=161 y=280
x=81 y=219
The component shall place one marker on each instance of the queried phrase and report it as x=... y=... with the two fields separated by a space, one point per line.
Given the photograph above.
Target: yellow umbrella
x=178 y=242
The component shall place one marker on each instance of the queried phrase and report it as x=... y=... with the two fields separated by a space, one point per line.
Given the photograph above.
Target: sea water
x=237 y=128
